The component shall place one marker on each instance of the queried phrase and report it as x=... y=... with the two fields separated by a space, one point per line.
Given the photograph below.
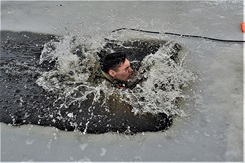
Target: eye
x=126 y=69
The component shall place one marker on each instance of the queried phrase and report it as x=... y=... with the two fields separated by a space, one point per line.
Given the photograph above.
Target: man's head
x=117 y=66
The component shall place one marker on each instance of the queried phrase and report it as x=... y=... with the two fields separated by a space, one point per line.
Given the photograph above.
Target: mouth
x=132 y=75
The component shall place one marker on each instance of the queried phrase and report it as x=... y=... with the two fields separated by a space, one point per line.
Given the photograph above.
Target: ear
x=112 y=73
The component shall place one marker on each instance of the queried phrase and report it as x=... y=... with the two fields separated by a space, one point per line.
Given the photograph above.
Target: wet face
x=123 y=73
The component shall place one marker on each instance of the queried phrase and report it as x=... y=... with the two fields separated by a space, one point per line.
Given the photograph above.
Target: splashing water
x=162 y=89
x=74 y=58
x=73 y=64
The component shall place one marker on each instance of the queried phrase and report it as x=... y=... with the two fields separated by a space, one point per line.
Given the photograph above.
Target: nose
x=130 y=70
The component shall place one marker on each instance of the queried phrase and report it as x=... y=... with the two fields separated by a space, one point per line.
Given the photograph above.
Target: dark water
x=24 y=102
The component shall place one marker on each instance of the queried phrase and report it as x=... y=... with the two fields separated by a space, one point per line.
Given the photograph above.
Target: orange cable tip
x=243 y=26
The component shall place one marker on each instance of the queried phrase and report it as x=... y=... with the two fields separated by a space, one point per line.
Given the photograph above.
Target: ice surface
x=213 y=128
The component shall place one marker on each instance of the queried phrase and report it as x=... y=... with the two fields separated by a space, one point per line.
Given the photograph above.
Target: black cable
x=177 y=34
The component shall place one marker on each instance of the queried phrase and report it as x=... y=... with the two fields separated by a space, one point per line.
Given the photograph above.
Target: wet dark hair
x=112 y=61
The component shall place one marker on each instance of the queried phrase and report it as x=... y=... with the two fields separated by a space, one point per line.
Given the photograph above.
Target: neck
x=113 y=80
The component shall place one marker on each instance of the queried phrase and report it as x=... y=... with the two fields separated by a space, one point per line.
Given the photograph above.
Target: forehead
x=124 y=65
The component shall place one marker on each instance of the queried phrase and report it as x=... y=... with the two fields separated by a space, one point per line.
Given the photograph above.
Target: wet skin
x=124 y=71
